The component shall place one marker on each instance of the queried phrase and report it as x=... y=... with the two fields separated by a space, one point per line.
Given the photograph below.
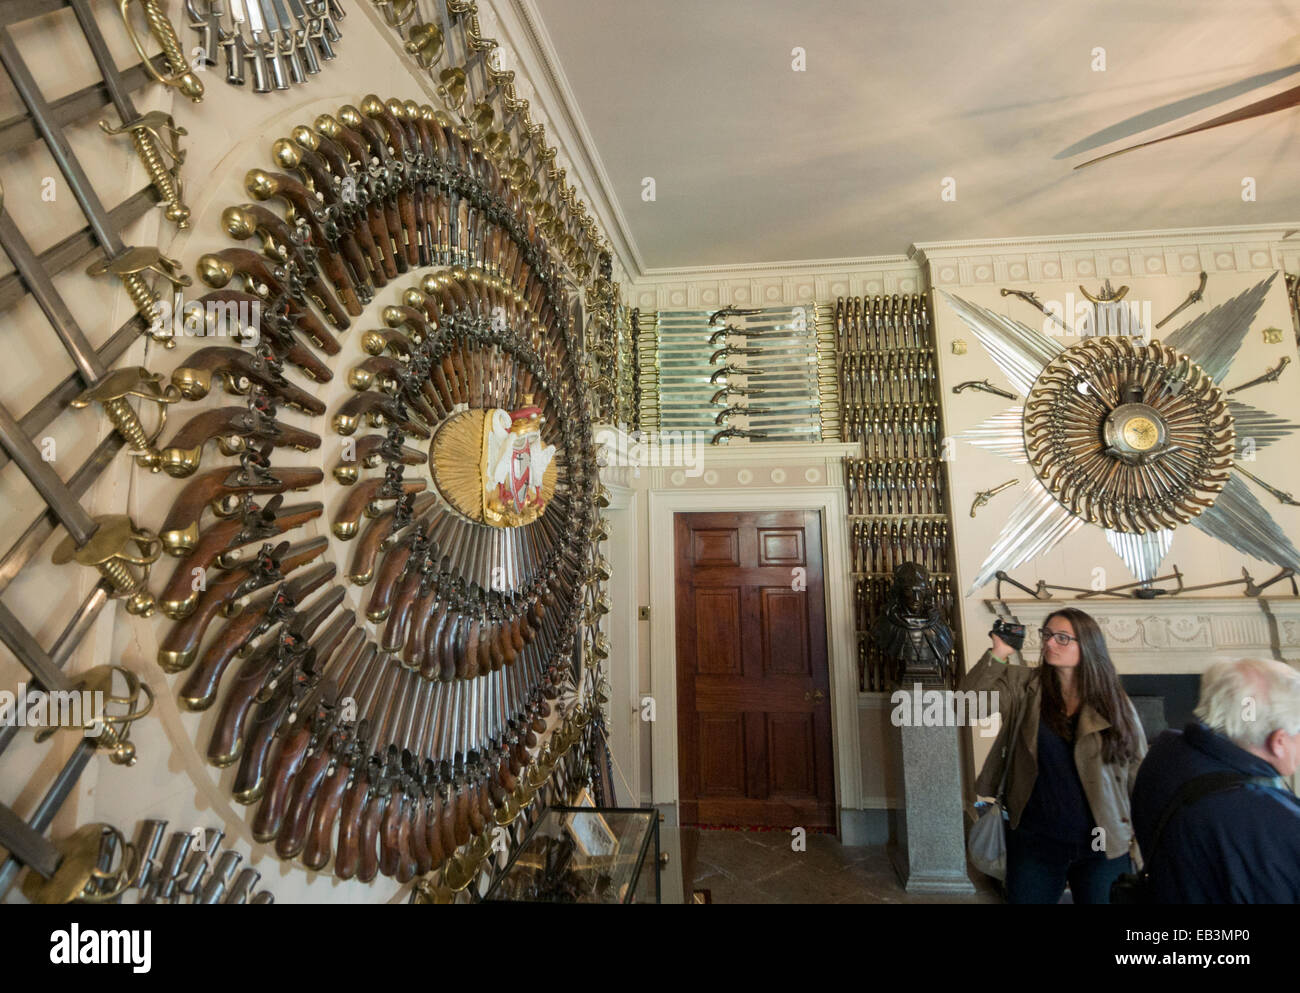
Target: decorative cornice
x=928 y=251
x=523 y=24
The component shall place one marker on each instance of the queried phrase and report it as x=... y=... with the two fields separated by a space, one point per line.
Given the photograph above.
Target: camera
x=1010 y=632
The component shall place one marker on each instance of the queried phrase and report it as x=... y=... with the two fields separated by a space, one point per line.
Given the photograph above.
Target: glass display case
x=585 y=855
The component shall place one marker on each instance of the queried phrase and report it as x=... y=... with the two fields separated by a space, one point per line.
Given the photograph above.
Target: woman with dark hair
x=1072 y=765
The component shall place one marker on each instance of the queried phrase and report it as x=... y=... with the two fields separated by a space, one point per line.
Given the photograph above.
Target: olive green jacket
x=1107 y=787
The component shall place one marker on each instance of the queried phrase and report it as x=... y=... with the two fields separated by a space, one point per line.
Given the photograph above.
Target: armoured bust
x=911 y=632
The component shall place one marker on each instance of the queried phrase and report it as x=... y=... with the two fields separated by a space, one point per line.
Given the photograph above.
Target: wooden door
x=753 y=690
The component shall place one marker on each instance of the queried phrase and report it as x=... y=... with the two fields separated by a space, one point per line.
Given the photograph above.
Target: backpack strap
x=1202 y=786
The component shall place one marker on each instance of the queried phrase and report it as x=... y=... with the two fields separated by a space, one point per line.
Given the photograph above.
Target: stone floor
x=760 y=867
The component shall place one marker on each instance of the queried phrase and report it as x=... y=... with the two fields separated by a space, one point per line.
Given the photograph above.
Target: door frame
x=841 y=658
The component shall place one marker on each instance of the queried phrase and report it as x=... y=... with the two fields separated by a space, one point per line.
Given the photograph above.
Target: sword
x=1192 y=297
x=128 y=264
x=277 y=20
x=240 y=16
x=205 y=18
x=147 y=131
x=1282 y=495
x=257 y=25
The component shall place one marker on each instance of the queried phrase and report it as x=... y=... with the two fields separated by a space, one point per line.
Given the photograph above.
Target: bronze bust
x=912 y=632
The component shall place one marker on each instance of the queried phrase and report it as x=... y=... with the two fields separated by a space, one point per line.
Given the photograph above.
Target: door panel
x=753 y=687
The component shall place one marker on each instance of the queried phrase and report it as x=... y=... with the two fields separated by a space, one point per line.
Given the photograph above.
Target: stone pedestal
x=929 y=853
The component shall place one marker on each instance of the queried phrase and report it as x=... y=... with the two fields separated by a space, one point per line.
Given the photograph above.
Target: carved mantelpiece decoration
x=1180 y=635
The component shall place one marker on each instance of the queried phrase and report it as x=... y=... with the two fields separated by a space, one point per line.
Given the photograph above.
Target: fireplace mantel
x=1176 y=634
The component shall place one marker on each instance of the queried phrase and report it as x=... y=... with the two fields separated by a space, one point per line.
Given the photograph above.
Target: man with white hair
x=1215 y=821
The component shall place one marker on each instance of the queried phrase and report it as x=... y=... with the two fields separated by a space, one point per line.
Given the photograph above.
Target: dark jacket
x=1106 y=786
x=1239 y=846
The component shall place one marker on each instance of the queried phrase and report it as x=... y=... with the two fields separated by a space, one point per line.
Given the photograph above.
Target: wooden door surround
x=753 y=700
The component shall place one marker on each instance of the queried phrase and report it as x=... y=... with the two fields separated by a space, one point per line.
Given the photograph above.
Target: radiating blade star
x=1037 y=523
x=1238 y=519
x=1263 y=427
x=1142 y=553
x=1213 y=339
x=1002 y=434
x=1020 y=351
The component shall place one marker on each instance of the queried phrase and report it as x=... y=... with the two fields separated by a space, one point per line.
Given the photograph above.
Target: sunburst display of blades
x=1212 y=339
x=1142 y=553
x=1240 y=520
x=1020 y=351
x=1002 y=434
x=1037 y=523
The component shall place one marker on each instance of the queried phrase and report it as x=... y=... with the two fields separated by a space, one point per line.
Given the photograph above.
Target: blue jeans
x=1038 y=868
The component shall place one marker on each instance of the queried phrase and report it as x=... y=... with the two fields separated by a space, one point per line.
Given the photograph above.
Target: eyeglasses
x=1060 y=637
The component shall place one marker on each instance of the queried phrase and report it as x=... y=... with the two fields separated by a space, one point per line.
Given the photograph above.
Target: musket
x=216 y=545
x=238 y=634
x=267 y=567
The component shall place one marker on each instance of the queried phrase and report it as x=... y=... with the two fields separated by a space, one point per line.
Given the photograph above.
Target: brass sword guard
x=112 y=392
x=156 y=135
x=110 y=731
x=108 y=551
x=78 y=878
x=181 y=77
x=130 y=266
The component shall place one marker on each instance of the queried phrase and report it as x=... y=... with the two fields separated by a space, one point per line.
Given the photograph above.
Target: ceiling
x=754 y=162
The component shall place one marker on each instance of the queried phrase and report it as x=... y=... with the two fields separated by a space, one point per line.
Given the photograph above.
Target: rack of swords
x=897 y=494
x=644 y=341
x=277 y=45
x=99 y=704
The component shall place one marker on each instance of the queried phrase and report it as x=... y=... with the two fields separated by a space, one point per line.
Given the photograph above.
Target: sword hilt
x=161 y=27
x=166 y=180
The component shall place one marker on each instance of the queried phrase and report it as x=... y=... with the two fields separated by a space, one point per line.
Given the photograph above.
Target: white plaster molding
x=1109 y=255
x=523 y=25
x=1178 y=634
x=841 y=657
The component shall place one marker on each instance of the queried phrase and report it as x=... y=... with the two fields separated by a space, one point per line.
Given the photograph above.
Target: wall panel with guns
x=465 y=692
x=897 y=491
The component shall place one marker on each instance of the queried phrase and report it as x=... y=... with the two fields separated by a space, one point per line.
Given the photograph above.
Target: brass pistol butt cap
x=287 y=154
x=180 y=542
x=360 y=379
x=260 y=184
x=377 y=616
x=223 y=761
x=175 y=661
x=194 y=384
x=252 y=796
x=326 y=125
x=345 y=530
x=345 y=424
x=180 y=609
x=374 y=343
x=214 y=272
x=305 y=137
x=349 y=116
x=371 y=105
x=346 y=474
x=179 y=462
x=363 y=578
x=238 y=223
x=197 y=703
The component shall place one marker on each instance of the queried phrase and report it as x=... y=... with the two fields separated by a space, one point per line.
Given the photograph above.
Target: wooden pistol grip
x=393 y=221
x=400 y=618
x=426 y=650
x=380 y=604
x=324 y=816
x=352 y=254
x=250 y=777
x=351 y=814
x=404 y=869
x=224 y=746
x=422 y=615
x=362 y=570
x=410 y=228
x=368 y=866
x=311 y=326
x=492 y=636
x=433 y=833
x=201 y=685
x=506 y=645
x=182 y=641
x=447 y=649
x=516 y=638
x=379 y=231
x=461 y=823
x=507 y=774
x=471 y=652
x=485 y=649
x=447 y=826
x=288 y=764
x=419 y=832
x=292 y=836
x=475 y=812
x=459 y=649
